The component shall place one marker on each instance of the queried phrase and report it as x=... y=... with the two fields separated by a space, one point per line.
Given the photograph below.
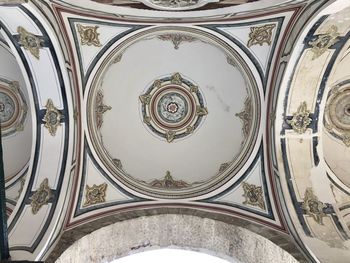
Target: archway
x=175 y=231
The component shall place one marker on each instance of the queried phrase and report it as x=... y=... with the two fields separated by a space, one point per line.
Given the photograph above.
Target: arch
x=175 y=231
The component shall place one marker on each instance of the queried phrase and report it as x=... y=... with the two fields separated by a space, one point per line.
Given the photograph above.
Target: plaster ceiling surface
x=228 y=110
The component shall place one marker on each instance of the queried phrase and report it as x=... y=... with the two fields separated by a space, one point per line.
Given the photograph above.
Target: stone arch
x=189 y=232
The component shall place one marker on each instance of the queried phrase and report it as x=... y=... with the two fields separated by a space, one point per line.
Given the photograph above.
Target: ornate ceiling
x=235 y=110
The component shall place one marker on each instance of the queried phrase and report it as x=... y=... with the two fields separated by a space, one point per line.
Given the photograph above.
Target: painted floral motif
x=260 y=34
x=324 y=41
x=301 y=119
x=52 y=117
x=176 y=38
x=89 y=35
x=246 y=116
x=41 y=196
x=95 y=194
x=313 y=207
x=169 y=183
x=100 y=109
x=29 y=41
x=253 y=195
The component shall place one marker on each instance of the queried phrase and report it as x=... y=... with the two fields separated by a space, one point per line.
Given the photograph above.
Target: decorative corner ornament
x=260 y=34
x=41 y=196
x=300 y=119
x=176 y=38
x=95 y=194
x=313 y=207
x=324 y=41
x=52 y=117
x=100 y=109
x=169 y=183
x=246 y=117
x=89 y=35
x=30 y=42
x=253 y=195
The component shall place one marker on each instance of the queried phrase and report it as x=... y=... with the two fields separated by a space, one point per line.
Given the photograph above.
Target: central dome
x=173 y=112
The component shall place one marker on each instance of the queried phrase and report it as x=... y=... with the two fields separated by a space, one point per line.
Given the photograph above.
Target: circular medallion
x=338 y=109
x=7 y=107
x=173 y=112
x=172 y=107
x=13 y=108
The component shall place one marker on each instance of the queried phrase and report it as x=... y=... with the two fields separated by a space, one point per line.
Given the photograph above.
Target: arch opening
x=226 y=241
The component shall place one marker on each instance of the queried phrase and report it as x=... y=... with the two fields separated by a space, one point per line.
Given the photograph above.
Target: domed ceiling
x=233 y=110
x=197 y=116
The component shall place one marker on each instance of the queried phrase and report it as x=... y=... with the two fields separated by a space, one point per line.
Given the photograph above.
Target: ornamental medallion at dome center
x=172 y=107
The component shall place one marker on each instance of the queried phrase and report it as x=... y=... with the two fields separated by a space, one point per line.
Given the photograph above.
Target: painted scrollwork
x=260 y=34
x=301 y=119
x=169 y=183
x=89 y=35
x=176 y=38
x=41 y=197
x=246 y=117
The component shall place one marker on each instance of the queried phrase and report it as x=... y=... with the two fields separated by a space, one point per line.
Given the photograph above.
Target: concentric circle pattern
x=172 y=107
x=7 y=107
x=338 y=111
x=13 y=107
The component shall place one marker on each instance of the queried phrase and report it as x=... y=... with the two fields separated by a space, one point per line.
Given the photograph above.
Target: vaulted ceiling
x=237 y=110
